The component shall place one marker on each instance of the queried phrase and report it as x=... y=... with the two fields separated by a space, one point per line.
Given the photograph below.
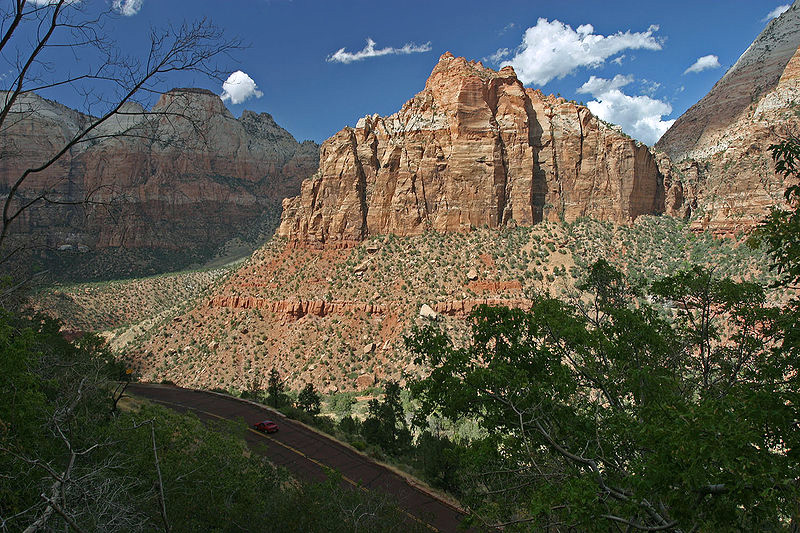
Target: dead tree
x=33 y=37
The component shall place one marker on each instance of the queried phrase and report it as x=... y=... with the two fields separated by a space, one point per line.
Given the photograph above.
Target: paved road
x=305 y=452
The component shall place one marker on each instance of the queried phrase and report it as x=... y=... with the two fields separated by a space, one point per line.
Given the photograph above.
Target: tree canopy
x=675 y=415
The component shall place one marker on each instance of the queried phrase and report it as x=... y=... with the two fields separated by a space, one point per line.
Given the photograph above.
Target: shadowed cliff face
x=186 y=178
x=473 y=148
x=722 y=172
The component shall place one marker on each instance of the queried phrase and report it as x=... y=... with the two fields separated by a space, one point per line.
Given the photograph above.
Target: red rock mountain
x=473 y=148
x=722 y=171
x=182 y=179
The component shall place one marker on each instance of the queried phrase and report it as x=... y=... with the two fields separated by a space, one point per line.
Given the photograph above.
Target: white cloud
x=777 y=12
x=239 y=87
x=639 y=116
x=704 y=63
x=650 y=87
x=499 y=55
x=508 y=27
x=618 y=59
x=553 y=49
x=597 y=85
x=127 y=7
x=340 y=56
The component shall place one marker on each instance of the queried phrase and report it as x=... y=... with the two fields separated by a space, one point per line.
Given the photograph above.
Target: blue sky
x=631 y=63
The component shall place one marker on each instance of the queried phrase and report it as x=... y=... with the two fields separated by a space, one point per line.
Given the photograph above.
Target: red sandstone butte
x=473 y=148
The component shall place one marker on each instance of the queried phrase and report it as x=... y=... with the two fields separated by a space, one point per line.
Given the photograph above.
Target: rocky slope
x=474 y=148
x=177 y=182
x=376 y=242
x=337 y=316
x=721 y=168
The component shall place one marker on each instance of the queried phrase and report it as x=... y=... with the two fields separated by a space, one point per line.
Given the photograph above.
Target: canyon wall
x=474 y=148
x=722 y=173
x=186 y=176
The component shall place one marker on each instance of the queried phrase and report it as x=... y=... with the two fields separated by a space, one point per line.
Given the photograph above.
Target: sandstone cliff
x=757 y=72
x=182 y=179
x=473 y=148
x=722 y=172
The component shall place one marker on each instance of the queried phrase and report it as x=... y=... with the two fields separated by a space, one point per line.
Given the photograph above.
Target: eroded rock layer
x=186 y=177
x=474 y=148
x=722 y=173
x=758 y=71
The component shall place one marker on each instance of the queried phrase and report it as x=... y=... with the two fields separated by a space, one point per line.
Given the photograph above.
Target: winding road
x=306 y=453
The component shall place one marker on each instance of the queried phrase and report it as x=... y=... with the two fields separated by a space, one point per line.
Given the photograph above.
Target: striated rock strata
x=473 y=148
x=296 y=308
x=463 y=308
x=185 y=177
x=757 y=72
x=721 y=172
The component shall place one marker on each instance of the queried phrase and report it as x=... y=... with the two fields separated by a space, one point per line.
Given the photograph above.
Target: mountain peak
x=474 y=148
x=757 y=72
x=196 y=102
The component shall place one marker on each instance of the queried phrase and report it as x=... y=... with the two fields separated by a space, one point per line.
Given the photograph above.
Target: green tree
x=275 y=388
x=707 y=306
x=779 y=234
x=342 y=403
x=68 y=463
x=780 y=231
x=607 y=416
x=386 y=425
x=309 y=400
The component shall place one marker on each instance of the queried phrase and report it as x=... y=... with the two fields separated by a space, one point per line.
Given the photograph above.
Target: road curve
x=305 y=452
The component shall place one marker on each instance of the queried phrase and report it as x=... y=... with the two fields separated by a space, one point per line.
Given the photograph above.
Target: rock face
x=296 y=308
x=722 y=171
x=186 y=177
x=758 y=71
x=473 y=148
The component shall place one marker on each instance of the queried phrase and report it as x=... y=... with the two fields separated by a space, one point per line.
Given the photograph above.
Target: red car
x=266 y=426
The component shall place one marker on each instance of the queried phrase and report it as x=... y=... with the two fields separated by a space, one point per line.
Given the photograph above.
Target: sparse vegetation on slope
x=114 y=304
x=336 y=317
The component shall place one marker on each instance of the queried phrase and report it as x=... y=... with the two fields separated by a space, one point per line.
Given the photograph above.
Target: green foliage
x=610 y=413
x=309 y=400
x=350 y=425
x=61 y=439
x=275 y=388
x=341 y=403
x=439 y=460
x=386 y=424
x=780 y=232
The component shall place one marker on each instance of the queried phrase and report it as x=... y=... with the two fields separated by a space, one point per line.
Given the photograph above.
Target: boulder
x=427 y=312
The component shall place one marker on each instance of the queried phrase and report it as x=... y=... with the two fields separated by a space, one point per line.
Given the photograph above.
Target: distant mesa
x=191 y=90
x=182 y=183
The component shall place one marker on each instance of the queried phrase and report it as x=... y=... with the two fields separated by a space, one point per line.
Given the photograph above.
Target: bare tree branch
x=51 y=503
x=161 y=498
x=187 y=48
